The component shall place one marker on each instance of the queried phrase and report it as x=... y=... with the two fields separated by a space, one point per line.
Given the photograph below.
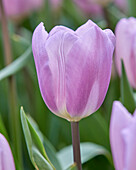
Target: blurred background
x=23 y=17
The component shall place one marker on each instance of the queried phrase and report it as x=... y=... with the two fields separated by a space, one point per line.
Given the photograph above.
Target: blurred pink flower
x=6 y=158
x=20 y=7
x=126 y=48
x=73 y=68
x=122 y=4
x=56 y=3
x=89 y=7
x=123 y=137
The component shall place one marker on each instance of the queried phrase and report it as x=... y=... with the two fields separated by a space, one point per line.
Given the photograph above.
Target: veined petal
x=120 y=119
x=88 y=69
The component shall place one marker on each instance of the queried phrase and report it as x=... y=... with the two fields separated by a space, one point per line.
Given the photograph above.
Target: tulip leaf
x=3 y=129
x=50 y=150
x=127 y=97
x=88 y=152
x=34 y=144
x=72 y=167
x=132 y=7
x=16 y=65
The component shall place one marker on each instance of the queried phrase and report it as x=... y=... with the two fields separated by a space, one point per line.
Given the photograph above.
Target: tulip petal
x=6 y=158
x=88 y=77
x=120 y=119
x=41 y=60
x=85 y=28
x=52 y=84
x=130 y=145
x=57 y=48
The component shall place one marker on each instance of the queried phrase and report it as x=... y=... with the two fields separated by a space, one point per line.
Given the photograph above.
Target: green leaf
x=88 y=151
x=16 y=65
x=127 y=97
x=132 y=7
x=34 y=144
x=3 y=129
x=72 y=167
x=50 y=150
x=98 y=130
x=40 y=161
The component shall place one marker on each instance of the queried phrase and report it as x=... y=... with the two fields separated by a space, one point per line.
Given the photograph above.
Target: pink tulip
x=73 y=68
x=6 y=158
x=123 y=137
x=19 y=7
x=89 y=7
x=126 y=48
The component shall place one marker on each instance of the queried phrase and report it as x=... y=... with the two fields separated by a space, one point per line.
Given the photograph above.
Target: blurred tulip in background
x=14 y=8
x=6 y=158
x=73 y=68
x=89 y=7
x=126 y=48
x=123 y=138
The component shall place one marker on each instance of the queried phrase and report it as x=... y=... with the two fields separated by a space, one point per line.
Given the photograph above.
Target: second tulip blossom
x=126 y=48
x=123 y=137
x=73 y=68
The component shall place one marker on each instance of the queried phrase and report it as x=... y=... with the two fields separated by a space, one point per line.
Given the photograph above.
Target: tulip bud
x=6 y=158
x=123 y=137
x=73 y=68
x=126 y=48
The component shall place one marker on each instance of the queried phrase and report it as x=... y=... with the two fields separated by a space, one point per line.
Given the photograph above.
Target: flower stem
x=12 y=96
x=76 y=144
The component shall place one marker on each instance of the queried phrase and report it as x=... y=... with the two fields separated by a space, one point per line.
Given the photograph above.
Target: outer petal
x=6 y=158
x=125 y=34
x=88 y=69
x=41 y=60
x=120 y=119
x=129 y=135
x=51 y=50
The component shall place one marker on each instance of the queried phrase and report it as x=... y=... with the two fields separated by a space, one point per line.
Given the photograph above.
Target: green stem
x=12 y=96
x=76 y=144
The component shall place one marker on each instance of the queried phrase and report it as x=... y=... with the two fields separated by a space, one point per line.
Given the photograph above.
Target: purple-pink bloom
x=123 y=137
x=21 y=7
x=73 y=68
x=6 y=158
x=126 y=48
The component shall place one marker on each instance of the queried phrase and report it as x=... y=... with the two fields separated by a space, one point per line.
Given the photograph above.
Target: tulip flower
x=123 y=137
x=6 y=158
x=21 y=7
x=73 y=68
x=126 y=48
